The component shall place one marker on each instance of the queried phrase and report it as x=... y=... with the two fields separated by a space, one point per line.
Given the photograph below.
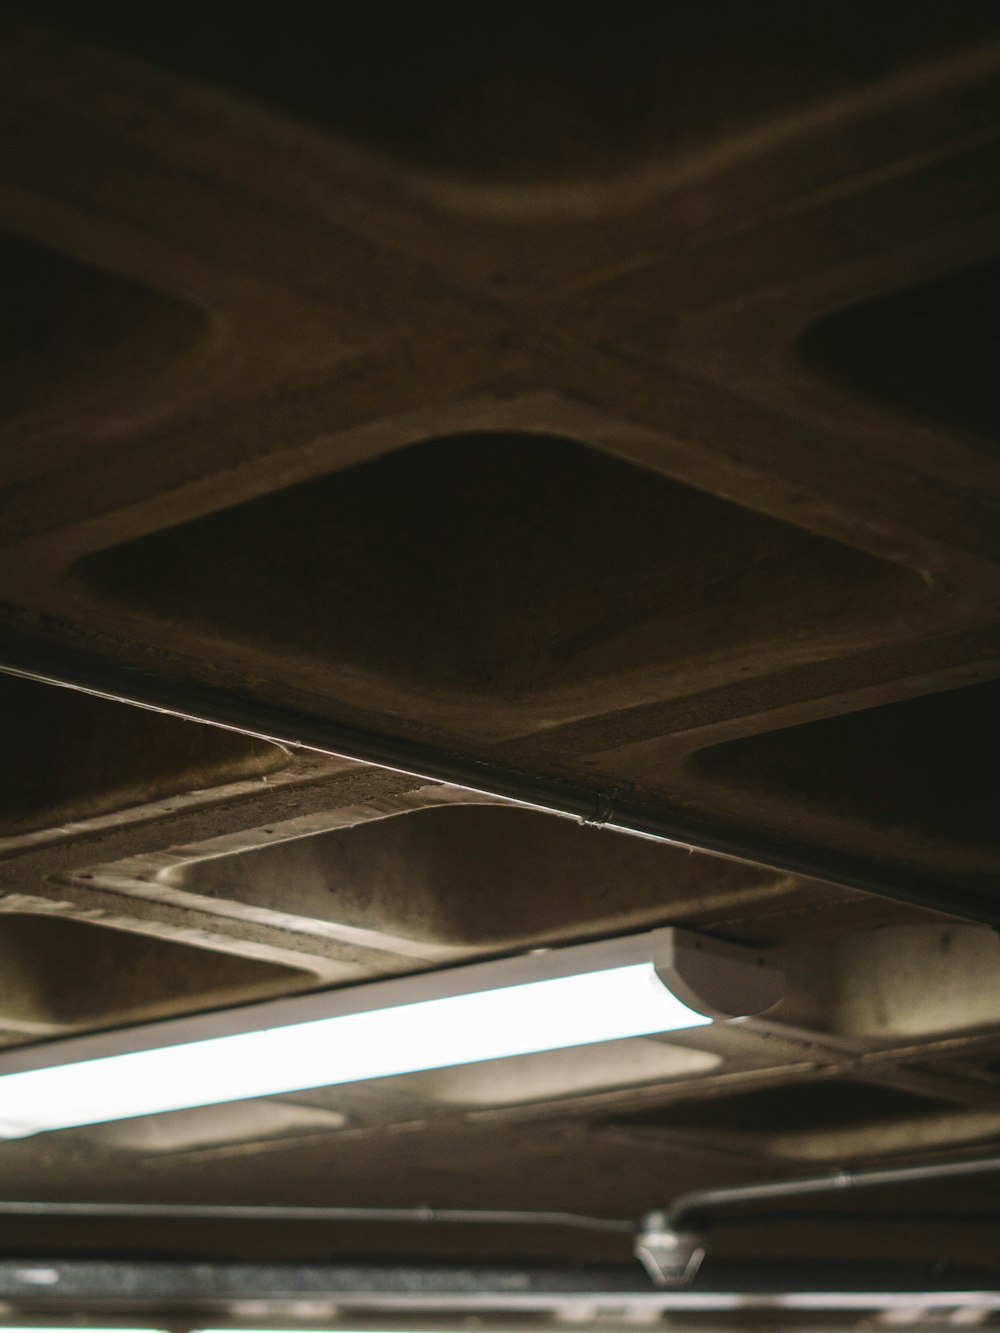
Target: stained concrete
x=611 y=399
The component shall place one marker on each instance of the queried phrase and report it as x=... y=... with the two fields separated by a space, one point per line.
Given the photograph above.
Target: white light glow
x=536 y=1016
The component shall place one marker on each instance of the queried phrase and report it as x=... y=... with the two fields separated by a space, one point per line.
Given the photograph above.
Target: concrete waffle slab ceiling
x=607 y=399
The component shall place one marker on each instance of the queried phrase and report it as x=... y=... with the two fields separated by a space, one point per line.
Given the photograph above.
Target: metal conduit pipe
x=670 y=1241
x=224 y=1212
x=694 y=1208
x=611 y=809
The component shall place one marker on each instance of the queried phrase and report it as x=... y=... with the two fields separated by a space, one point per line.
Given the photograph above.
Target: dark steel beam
x=611 y=809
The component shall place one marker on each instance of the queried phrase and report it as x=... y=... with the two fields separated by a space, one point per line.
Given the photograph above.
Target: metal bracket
x=671 y=1258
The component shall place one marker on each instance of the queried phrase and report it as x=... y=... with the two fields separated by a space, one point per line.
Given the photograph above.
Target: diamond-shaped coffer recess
x=476 y=876
x=927 y=768
x=932 y=349
x=57 y=973
x=541 y=577
x=69 y=756
x=67 y=327
x=507 y=88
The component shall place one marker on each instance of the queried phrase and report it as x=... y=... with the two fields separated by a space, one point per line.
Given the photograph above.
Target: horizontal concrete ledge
x=93 y=1284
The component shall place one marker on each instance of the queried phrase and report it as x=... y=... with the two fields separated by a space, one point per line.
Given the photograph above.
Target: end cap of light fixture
x=716 y=978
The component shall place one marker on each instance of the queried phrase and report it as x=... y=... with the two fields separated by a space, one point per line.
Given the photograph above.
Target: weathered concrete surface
x=610 y=398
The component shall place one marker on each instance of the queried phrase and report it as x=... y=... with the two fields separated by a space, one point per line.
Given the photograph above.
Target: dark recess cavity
x=64 y=972
x=71 y=756
x=512 y=567
x=928 y=767
x=68 y=327
x=525 y=89
x=932 y=349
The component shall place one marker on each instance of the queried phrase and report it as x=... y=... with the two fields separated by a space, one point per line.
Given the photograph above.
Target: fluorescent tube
x=548 y=1000
x=548 y=1015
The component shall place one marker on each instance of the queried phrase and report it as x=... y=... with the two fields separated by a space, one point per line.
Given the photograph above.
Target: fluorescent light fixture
x=516 y=1020
x=658 y=982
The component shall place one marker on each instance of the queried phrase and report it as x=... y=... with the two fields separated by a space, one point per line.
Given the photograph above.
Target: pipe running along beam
x=609 y=808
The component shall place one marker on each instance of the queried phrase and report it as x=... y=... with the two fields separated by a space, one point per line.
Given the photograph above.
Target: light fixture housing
x=660 y=981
